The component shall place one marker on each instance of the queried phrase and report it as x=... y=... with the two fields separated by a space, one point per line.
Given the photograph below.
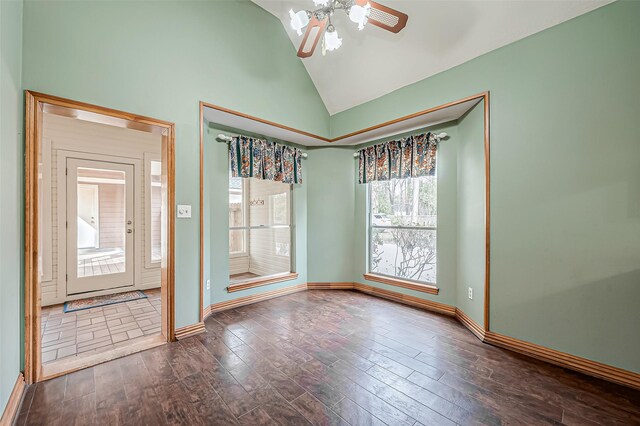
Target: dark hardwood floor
x=328 y=358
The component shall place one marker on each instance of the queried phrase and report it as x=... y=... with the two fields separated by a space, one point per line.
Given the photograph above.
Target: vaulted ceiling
x=439 y=35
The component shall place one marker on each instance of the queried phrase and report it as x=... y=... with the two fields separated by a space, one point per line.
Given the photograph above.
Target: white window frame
x=371 y=227
x=247 y=228
x=245 y=219
x=148 y=259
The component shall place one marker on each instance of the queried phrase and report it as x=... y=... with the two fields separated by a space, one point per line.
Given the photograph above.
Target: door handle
x=129 y=231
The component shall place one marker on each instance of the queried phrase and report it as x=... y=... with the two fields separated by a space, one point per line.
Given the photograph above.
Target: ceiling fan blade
x=317 y=28
x=385 y=17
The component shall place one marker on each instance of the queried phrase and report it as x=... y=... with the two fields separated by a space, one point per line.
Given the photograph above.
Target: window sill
x=261 y=281
x=411 y=285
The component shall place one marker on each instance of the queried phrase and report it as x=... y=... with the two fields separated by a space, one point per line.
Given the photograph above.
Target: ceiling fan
x=318 y=22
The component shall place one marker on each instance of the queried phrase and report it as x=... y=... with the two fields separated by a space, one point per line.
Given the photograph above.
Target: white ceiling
x=439 y=35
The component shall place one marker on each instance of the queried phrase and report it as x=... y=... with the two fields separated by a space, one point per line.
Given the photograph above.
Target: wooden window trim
x=258 y=282
x=411 y=285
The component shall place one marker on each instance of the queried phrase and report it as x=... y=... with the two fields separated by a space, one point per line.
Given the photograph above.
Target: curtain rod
x=439 y=136
x=226 y=139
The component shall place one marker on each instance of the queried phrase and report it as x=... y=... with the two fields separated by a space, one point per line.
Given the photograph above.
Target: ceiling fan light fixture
x=320 y=29
x=299 y=20
x=360 y=14
x=331 y=39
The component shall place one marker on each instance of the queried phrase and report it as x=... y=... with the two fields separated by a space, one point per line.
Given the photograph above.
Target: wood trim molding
x=34 y=106
x=473 y=326
x=259 y=282
x=190 y=330
x=424 y=288
x=261 y=120
x=330 y=286
x=487 y=210
x=247 y=300
x=386 y=294
x=483 y=95
x=562 y=359
x=206 y=311
x=13 y=404
x=429 y=305
x=201 y=233
x=33 y=121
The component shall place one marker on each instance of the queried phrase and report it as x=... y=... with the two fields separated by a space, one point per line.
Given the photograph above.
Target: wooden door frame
x=34 y=107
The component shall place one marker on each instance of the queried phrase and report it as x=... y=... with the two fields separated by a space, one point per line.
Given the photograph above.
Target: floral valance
x=262 y=159
x=414 y=156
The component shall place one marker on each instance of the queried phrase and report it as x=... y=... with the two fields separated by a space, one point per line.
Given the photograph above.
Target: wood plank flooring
x=328 y=358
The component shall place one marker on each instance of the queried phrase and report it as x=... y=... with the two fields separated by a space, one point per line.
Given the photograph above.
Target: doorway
x=100 y=224
x=99 y=235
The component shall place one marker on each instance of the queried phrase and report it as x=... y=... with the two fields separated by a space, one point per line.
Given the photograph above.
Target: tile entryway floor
x=98 y=329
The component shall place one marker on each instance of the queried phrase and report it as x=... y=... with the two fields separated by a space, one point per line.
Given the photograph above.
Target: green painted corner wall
x=330 y=173
x=11 y=192
x=160 y=59
x=470 y=259
x=565 y=179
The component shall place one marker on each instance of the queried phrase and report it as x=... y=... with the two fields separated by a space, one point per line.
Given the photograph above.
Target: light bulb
x=331 y=40
x=299 y=20
x=360 y=14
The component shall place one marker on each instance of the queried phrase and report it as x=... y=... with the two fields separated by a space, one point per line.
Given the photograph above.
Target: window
x=237 y=219
x=260 y=237
x=153 y=209
x=402 y=228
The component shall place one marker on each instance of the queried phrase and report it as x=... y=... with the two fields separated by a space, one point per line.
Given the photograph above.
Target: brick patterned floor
x=98 y=329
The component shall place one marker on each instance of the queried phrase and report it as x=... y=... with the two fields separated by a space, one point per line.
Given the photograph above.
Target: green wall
x=330 y=174
x=470 y=259
x=11 y=194
x=565 y=179
x=159 y=59
x=216 y=214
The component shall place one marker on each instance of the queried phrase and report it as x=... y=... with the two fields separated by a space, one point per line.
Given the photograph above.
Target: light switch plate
x=184 y=211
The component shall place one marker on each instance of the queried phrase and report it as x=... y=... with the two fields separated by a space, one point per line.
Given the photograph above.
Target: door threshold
x=69 y=365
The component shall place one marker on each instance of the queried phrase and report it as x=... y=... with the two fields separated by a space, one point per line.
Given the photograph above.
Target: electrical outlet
x=208 y=284
x=470 y=293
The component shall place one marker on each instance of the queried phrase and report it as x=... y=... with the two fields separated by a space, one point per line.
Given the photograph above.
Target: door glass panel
x=101 y=221
x=156 y=211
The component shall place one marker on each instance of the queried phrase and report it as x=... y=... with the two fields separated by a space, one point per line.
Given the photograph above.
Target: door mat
x=97 y=301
